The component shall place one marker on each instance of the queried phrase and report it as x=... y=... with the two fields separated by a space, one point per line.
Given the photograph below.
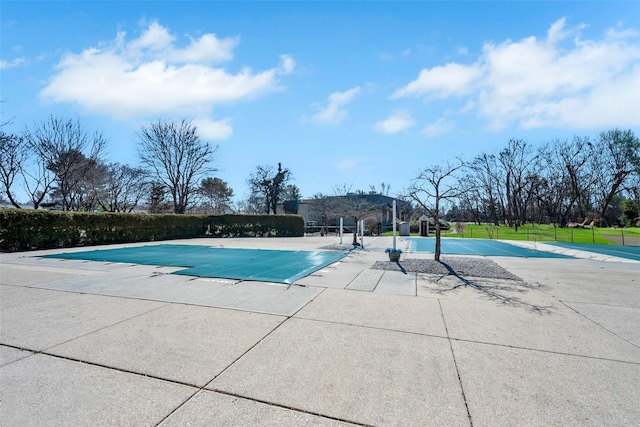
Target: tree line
x=595 y=181
x=566 y=180
x=60 y=165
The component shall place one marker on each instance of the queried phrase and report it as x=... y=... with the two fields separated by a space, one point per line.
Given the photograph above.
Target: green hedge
x=37 y=229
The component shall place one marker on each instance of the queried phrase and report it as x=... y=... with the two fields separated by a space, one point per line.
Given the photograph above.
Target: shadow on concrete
x=493 y=292
x=402 y=269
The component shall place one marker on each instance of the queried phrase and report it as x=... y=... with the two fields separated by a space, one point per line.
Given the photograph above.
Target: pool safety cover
x=628 y=252
x=280 y=266
x=459 y=246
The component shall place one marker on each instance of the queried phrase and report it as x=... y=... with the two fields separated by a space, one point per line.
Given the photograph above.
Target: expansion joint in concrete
x=455 y=363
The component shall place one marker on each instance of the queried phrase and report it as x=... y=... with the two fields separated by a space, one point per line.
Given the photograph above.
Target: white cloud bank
x=562 y=81
x=333 y=113
x=396 y=123
x=150 y=76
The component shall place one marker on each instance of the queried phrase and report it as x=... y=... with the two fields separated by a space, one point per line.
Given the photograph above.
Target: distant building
x=327 y=211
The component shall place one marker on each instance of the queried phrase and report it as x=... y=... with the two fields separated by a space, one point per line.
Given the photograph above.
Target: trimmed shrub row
x=22 y=230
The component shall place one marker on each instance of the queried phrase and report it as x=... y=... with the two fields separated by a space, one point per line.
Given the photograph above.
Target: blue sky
x=354 y=93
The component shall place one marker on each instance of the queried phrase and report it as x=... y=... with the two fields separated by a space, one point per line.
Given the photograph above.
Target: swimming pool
x=280 y=266
x=485 y=247
x=628 y=252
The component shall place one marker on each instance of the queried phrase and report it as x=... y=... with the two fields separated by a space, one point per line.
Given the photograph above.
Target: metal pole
x=340 y=230
x=394 y=225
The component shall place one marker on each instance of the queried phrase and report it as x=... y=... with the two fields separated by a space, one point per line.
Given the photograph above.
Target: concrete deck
x=89 y=343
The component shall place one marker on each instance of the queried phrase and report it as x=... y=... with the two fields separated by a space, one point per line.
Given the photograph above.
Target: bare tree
x=633 y=186
x=69 y=153
x=268 y=185
x=37 y=180
x=123 y=188
x=342 y=189
x=13 y=155
x=176 y=157
x=253 y=204
x=320 y=208
x=615 y=158
x=89 y=191
x=575 y=159
x=471 y=203
x=384 y=189
x=433 y=186
x=564 y=179
x=484 y=173
x=355 y=207
x=519 y=166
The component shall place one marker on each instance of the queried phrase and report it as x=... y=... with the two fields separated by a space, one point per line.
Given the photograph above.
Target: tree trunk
x=438 y=244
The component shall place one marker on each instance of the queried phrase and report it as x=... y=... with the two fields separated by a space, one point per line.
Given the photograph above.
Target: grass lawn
x=548 y=233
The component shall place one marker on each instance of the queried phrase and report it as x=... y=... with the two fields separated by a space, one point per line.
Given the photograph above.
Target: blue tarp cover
x=280 y=266
x=629 y=252
x=458 y=246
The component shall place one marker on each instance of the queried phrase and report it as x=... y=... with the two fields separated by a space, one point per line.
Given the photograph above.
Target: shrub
x=38 y=229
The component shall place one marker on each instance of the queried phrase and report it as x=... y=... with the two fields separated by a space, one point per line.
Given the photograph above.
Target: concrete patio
x=91 y=343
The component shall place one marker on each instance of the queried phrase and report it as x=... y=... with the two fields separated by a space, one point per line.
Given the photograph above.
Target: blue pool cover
x=629 y=252
x=458 y=246
x=278 y=266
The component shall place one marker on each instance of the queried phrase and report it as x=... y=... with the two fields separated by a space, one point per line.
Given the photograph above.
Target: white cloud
x=206 y=49
x=150 y=76
x=396 y=123
x=624 y=33
x=157 y=43
x=4 y=64
x=557 y=31
x=348 y=163
x=561 y=81
x=441 y=82
x=213 y=130
x=287 y=64
x=155 y=38
x=384 y=56
x=439 y=127
x=333 y=113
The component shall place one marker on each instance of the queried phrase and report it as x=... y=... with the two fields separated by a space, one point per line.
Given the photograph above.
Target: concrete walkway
x=89 y=343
